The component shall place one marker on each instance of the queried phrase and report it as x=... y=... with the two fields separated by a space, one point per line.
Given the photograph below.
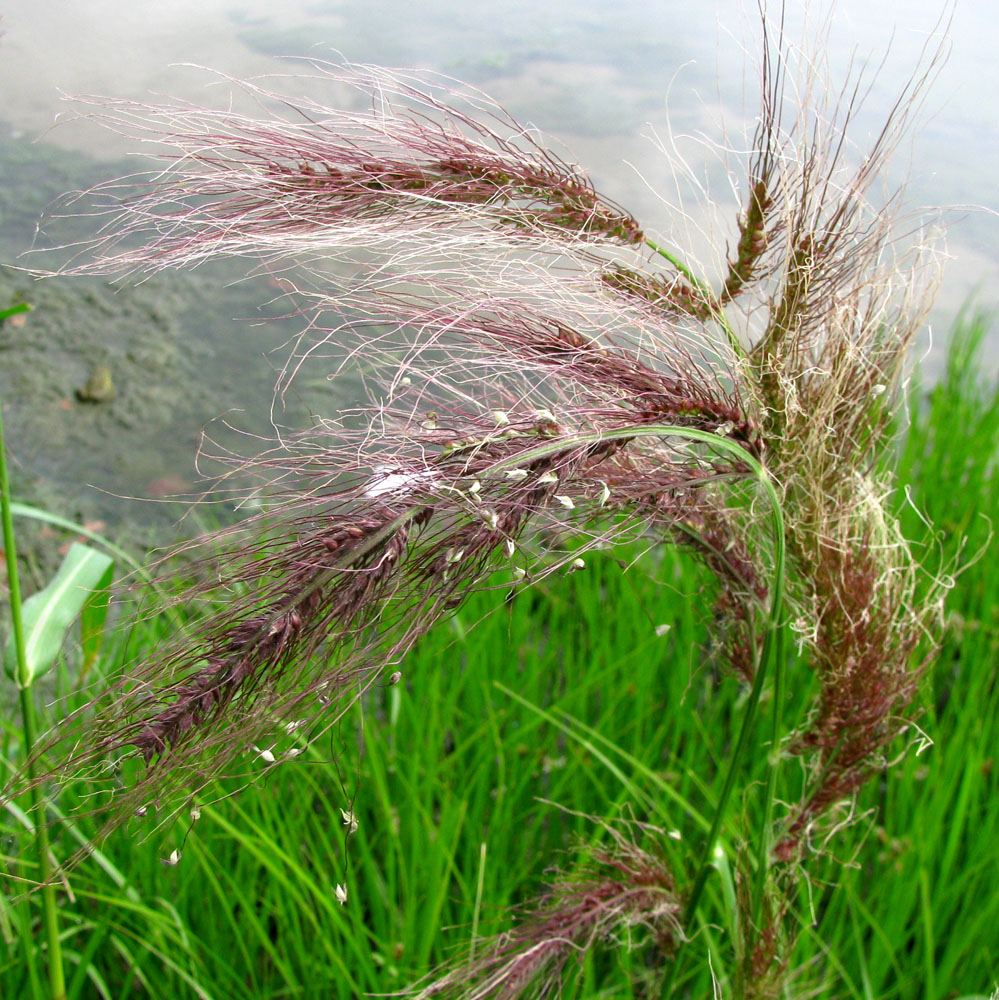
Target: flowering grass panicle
x=621 y=891
x=541 y=370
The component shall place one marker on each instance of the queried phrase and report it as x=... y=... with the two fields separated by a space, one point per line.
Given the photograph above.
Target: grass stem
x=713 y=306
x=57 y=981
x=767 y=648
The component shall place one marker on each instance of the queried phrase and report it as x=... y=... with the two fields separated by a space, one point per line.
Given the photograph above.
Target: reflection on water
x=599 y=77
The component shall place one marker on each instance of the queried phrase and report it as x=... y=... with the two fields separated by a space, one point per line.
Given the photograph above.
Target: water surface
x=601 y=78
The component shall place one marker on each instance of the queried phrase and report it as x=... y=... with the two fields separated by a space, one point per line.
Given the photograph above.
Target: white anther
x=395 y=482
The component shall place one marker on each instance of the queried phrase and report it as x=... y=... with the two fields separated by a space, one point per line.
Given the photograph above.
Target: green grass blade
x=48 y=614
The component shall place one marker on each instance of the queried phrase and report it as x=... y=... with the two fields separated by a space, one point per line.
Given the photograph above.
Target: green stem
x=710 y=299
x=681 y=267
x=771 y=635
x=57 y=982
x=766 y=838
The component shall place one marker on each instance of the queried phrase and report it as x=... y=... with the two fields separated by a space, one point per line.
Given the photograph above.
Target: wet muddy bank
x=108 y=386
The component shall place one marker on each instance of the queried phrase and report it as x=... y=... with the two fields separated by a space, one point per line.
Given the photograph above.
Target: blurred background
x=111 y=386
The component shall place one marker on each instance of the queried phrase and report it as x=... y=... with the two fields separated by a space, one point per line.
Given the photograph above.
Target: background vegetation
x=590 y=695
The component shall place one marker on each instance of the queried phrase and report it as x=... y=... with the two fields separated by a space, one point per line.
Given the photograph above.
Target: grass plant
x=546 y=391
x=524 y=694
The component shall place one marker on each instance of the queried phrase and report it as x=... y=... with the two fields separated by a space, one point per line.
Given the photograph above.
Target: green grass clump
x=572 y=700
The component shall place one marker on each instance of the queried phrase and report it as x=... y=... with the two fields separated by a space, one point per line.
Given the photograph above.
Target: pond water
x=599 y=77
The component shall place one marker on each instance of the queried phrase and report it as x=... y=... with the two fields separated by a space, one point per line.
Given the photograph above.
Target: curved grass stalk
x=679 y=265
x=710 y=299
x=766 y=654
x=765 y=841
x=37 y=514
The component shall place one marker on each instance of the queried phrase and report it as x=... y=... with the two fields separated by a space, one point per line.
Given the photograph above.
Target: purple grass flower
x=621 y=892
x=538 y=368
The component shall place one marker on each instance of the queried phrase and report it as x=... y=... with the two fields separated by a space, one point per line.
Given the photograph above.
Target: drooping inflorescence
x=540 y=369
